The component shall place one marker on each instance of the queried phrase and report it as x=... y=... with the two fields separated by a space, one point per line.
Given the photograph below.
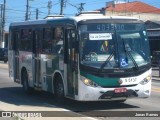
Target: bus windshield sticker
x=100 y=36
x=102 y=57
x=123 y=62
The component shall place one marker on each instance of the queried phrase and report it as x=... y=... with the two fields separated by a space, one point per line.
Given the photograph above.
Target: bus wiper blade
x=106 y=62
x=129 y=54
x=133 y=60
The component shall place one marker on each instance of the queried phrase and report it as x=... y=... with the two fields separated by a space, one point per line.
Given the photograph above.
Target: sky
x=16 y=9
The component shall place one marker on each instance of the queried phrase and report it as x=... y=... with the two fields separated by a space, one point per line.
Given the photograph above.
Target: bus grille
x=111 y=94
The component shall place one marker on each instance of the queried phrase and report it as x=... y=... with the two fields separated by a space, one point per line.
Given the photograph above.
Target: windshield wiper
x=129 y=54
x=106 y=62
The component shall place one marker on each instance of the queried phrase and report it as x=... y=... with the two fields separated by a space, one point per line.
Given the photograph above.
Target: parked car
x=4 y=54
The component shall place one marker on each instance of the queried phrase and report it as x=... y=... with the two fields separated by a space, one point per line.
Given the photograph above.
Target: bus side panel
x=49 y=64
x=10 y=64
x=25 y=60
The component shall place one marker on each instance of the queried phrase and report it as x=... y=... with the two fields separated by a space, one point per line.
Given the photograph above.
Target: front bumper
x=87 y=93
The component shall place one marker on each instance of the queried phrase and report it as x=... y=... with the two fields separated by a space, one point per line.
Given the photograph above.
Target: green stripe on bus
x=102 y=81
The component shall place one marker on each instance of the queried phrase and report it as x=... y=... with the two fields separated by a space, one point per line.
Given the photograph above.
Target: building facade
x=134 y=9
x=143 y=11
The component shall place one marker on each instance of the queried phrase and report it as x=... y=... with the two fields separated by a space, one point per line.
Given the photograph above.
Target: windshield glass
x=116 y=45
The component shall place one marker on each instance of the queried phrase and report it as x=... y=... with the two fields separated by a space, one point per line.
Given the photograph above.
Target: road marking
x=156 y=89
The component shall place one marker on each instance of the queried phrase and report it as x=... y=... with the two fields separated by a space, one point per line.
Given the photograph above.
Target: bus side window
x=57 y=46
x=11 y=41
x=47 y=40
x=26 y=38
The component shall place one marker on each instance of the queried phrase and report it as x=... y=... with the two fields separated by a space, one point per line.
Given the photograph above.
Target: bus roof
x=75 y=18
x=90 y=17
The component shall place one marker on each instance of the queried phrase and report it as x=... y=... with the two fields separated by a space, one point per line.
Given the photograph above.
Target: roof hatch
x=53 y=16
x=90 y=13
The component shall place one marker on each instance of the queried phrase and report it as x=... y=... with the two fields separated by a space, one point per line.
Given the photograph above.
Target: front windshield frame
x=115 y=59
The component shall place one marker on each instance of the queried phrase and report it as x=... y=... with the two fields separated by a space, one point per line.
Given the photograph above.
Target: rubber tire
x=119 y=101
x=5 y=61
x=59 y=90
x=26 y=87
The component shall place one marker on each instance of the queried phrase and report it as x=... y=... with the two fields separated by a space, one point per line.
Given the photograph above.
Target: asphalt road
x=13 y=98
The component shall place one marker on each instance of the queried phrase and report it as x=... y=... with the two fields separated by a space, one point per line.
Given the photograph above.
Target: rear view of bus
x=114 y=59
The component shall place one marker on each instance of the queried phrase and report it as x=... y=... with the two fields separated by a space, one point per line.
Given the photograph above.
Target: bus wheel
x=59 y=90
x=25 y=82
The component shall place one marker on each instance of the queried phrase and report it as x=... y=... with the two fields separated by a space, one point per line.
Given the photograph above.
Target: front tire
x=59 y=90
x=25 y=84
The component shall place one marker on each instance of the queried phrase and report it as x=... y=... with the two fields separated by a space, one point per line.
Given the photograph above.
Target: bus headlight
x=146 y=80
x=89 y=82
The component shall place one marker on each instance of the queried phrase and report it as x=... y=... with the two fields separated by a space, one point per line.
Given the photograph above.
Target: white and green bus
x=89 y=57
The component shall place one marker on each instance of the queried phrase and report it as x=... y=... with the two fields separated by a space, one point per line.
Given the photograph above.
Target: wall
x=143 y=16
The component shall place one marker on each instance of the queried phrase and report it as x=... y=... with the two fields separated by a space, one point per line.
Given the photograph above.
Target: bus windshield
x=108 y=46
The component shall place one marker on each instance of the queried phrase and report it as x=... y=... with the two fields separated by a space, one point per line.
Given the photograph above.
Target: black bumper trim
x=111 y=94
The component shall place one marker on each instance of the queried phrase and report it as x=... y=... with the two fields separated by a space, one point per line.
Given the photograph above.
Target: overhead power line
x=73 y=5
x=81 y=8
x=15 y=10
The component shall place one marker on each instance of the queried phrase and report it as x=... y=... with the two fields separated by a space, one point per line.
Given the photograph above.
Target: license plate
x=120 y=90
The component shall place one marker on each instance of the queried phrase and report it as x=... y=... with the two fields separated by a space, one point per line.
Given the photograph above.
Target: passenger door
x=16 y=56
x=70 y=61
x=36 y=59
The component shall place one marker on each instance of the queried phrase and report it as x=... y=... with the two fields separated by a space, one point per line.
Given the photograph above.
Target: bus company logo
x=6 y=114
x=120 y=81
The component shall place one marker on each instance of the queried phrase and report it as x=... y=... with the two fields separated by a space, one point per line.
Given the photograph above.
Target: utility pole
x=27 y=11
x=1 y=5
x=3 y=22
x=81 y=8
x=37 y=13
x=49 y=7
x=62 y=7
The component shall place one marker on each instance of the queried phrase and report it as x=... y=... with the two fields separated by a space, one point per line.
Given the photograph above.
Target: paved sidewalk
x=66 y=114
